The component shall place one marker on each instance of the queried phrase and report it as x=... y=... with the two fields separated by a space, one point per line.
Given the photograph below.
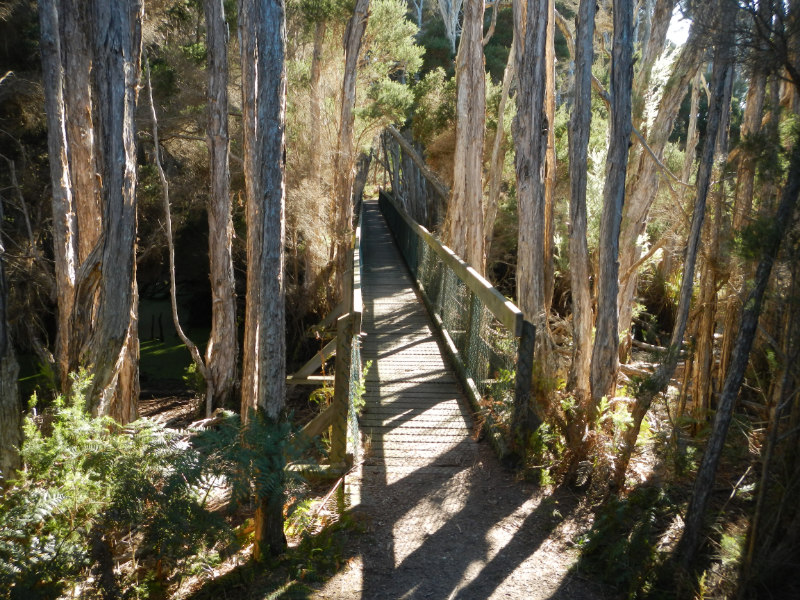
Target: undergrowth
x=94 y=495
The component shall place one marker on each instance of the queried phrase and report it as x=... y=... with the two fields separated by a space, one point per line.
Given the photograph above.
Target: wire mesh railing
x=490 y=343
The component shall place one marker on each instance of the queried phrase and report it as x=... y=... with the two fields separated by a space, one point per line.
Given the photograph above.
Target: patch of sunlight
x=503 y=531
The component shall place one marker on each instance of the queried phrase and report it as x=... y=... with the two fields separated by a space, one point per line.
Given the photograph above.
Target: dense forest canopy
x=626 y=172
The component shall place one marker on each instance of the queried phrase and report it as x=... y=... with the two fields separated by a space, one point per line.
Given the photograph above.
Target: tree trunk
x=75 y=26
x=315 y=97
x=704 y=483
x=660 y=379
x=644 y=170
x=530 y=131
x=495 y=176
x=465 y=210
x=263 y=47
x=604 y=352
x=10 y=413
x=64 y=224
x=579 y=266
x=450 y=10
x=743 y=202
x=222 y=350
x=550 y=169
x=344 y=162
x=112 y=349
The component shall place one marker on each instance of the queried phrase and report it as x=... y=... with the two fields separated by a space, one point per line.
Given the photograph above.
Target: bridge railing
x=342 y=414
x=489 y=342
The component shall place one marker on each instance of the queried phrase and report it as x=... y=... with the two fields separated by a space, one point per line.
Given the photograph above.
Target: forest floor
x=473 y=533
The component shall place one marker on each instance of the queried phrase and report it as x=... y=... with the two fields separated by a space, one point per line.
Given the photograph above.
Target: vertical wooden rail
x=525 y=418
x=341 y=388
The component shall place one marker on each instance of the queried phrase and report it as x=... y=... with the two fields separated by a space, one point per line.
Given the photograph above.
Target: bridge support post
x=525 y=419
x=341 y=388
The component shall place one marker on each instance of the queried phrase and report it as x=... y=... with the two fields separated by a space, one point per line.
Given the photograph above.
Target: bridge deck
x=416 y=416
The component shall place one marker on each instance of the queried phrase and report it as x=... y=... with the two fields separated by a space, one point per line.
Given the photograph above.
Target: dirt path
x=443 y=519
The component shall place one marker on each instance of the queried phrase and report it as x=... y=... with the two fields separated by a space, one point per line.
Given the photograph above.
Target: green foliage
x=435 y=101
x=87 y=479
x=359 y=402
x=622 y=547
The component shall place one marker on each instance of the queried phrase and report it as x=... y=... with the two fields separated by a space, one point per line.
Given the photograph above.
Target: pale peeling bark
x=77 y=59
x=495 y=175
x=345 y=159
x=550 y=170
x=64 y=223
x=704 y=483
x=222 y=350
x=464 y=232
x=530 y=140
x=263 y=52
x=450 y=10
x=10 y=413
x=653 y=45
x=111 y=351
x=579 y=265
x=605 y=350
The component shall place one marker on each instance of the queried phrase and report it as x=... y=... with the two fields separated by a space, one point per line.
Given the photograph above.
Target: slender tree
x=465 y=210
x=579 y=129
x=605 y=350
x=222 y=350
x=530 y=131
x=10 y=413
x=263 y=53
x=345 y=160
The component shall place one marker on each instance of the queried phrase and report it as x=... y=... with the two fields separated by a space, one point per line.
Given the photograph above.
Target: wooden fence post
x=525 y=419
x=341 y=388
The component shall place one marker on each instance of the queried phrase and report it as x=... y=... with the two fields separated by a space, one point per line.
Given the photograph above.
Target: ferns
x=89 y=478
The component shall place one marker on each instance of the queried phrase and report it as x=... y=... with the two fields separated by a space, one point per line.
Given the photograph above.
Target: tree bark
x=222 y=350
x=75 y=26
x=344 y=162
x=662 y=376
x=112 y=348
x=495 y=176
x=605 y=350
x=550 y=169
x=579 y=265
x=689 y=542
x=465 y=211
x=10 y=413
x=530 y=129
x=263 y=47
x=64 y=222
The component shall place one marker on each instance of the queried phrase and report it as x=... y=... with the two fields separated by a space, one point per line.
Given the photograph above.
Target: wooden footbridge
x=437 y=338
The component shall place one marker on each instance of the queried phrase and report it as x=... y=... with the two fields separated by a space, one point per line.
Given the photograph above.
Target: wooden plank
x=316 y=362
x=309 y=379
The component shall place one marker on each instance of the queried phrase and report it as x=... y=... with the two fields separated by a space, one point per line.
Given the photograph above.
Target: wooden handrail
x=503 y=309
